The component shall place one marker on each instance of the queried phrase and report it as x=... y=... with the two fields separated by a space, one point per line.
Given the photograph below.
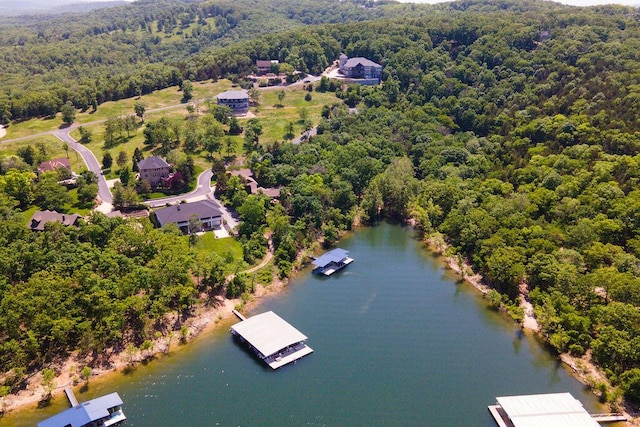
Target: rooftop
x=84 y=413
x=352 y=62
x=153 y=162
x=546 y=410
x=268 y=333
x=51 y=165
x=40 y=218
x=233 y=94
x=183 y=211
x=335 y=255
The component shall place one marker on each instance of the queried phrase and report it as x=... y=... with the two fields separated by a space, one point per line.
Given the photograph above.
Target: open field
x=53 y=149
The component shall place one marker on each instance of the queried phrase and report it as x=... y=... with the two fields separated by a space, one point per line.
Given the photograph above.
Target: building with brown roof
x=54 y=164
x=41 y=218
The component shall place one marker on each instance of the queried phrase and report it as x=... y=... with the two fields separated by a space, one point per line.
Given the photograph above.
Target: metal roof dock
x=272 y=339
x=542 y=410
x=103 y=411
x=332 y=261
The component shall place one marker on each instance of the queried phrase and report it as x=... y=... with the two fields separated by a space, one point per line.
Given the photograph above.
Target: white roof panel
x=546 y=410
x=268 y=333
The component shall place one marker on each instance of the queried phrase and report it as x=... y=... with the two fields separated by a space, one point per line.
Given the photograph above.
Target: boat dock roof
x=542 y=410
x=335 y=256
x=269 y=334
x=86 y=413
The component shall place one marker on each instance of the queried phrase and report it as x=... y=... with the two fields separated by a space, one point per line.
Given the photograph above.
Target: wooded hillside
x=510 y=128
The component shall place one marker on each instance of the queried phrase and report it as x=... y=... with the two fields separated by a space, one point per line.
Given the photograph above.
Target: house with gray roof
x=40 y=218
x=237 y=100
x=154 y=169
x=360 y=68
x=207 y=213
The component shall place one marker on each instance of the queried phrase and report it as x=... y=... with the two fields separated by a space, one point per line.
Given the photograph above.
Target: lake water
x=397 y=341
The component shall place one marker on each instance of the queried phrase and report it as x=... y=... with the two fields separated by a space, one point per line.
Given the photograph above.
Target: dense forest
x=508 y=129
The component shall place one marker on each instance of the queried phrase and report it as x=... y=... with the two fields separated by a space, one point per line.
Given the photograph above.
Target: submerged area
x=398 y=340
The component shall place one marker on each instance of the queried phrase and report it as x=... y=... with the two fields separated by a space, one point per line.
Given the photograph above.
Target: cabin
x=331 y=262
x=545 y=410
x=272 y=339
x=154 y=169
x=207 y=212
x=236 y=100
x=103 y=411
x=40 y=218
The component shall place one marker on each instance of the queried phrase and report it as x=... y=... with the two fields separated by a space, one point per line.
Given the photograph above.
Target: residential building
x=360 y=68
x=264 y=66
x=153 y=169
x=237 y=100
x=206 y=212
x=40 y=218
x=54 y=164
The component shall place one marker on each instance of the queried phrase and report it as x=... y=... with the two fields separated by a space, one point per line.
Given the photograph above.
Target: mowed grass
x=171 y=96
x=54 y=148
x=272 y=114
x=208 y=243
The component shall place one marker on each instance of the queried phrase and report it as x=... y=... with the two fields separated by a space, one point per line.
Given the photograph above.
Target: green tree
x=281 y=95
x=187 y=90
x=85 y=135
x=122 y=159
x=48 y=383
x=49 y=194
x=139 y=108
x=107 y=160
x=68 y=113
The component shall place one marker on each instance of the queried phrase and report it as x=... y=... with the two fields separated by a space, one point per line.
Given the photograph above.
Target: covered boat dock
x=542 y=410
x=272 y=339
x=104 y=411
x=331 y=262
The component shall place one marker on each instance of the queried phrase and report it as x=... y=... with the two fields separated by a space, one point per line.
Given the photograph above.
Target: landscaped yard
x=54 y=148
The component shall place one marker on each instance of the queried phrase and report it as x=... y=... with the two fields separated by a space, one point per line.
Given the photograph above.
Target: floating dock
x=546 y=410
x=104 y=411
x=272 y=339
x=331 y=262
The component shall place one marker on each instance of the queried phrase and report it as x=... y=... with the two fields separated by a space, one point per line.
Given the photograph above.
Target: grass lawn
x=54 y=148
x=207 y=243
x=273 y=117
x=158 y=99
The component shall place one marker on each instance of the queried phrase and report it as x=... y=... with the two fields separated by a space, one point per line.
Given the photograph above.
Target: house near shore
x=154 y=169
x=53 y=165
x=360 y=68
x=236 y=100
x=207 y=213
x=40 y=218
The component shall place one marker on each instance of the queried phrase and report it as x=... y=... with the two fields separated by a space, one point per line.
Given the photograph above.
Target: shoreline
x=205 y=319
x=208 y=317
x=581 y=368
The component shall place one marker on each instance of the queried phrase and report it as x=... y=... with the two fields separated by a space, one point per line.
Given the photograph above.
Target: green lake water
x=397 y=341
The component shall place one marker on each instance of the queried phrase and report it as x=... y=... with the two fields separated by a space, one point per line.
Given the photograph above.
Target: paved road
x=200 y=192
x=90 y=160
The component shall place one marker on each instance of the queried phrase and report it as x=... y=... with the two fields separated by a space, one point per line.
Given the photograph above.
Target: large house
x=207 y=213
x=360 y=68
x=154 y=169
x=40 y=218
x=53 y=165
x=237 y=100
x=251 y=186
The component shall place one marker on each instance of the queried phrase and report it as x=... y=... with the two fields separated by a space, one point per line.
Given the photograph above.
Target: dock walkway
x=609 y=418
x=71 y=396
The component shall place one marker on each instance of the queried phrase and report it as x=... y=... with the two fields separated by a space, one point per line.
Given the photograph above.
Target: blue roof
x=84 y=413
x=335 y=255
